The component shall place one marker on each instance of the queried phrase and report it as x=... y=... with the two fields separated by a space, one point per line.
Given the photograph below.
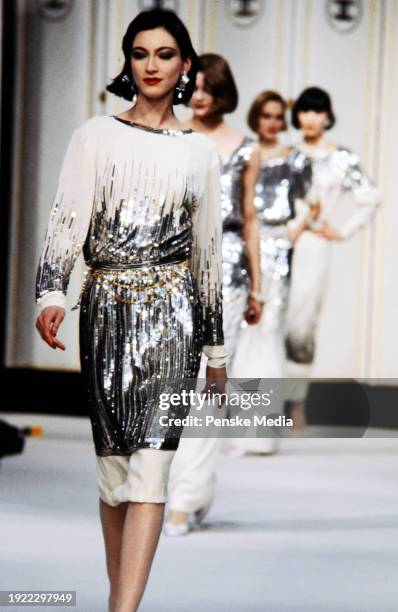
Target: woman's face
x=271 y=120
x=156 y=63
x=313 y=123
x=201 y=102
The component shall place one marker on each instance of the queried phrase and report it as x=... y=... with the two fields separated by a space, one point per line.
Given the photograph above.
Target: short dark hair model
x=149 y=20
x=258 y=104
x=219 y=82
x=315 y=99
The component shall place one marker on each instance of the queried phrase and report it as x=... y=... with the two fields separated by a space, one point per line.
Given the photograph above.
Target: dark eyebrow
x=160 y=49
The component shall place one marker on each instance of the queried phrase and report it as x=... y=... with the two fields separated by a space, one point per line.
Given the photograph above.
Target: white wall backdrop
x=63 y=68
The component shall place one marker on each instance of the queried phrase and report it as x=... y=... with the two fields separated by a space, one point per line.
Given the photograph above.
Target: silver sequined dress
x=144 y=207
x=281 y=192
x=348 y=199
x=234 y=261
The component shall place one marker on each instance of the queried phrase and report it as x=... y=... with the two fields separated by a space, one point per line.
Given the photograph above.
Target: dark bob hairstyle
x=219 y=82
x=258 y=103
x=315 y=99
x=149 y=20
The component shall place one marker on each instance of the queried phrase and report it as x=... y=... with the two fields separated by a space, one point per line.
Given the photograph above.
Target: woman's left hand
x=253 y=311
x=216 y=379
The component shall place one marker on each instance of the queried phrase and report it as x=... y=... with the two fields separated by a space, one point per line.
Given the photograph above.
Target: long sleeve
x=364 y=192
x=68 y=224
x=206 y=263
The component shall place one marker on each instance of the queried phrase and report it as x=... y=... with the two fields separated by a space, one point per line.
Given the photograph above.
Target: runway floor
x=313 y=528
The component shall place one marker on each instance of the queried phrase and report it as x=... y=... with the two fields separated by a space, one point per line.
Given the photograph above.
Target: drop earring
x=181 y=85
x=126 y=79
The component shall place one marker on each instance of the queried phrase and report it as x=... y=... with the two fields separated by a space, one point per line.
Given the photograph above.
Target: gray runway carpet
x=313 y=528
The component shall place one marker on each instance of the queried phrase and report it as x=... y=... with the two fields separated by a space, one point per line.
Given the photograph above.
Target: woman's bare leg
x=112 y=520
x=141 y=531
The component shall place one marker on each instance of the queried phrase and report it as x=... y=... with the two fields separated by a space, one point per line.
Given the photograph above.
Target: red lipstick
x=152 y=81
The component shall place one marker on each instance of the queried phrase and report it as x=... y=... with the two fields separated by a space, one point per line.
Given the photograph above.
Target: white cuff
x=216 y=356
x=51 y=298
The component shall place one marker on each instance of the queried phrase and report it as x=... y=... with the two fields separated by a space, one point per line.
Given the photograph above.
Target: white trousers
x=192 y=475
x=310 y=276
x=140 y=477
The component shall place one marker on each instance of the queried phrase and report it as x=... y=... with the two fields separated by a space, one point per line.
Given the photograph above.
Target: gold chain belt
x=114 y=281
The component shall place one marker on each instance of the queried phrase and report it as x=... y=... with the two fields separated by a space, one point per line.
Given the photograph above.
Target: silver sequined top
x=235 y=265
x=231 y=186
x=128 y=193
x=282 y=181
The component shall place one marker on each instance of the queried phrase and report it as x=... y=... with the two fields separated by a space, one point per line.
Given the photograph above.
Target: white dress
x=282 y=196
x=283 y=192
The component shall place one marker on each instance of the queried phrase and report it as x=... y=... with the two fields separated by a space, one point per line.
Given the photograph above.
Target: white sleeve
x=68 y=224
x=365 y=195
x=206 y=263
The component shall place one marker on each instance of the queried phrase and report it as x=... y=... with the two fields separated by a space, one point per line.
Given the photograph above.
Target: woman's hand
x=314 y=211
x=328 y=232
x=47 y=324
x=216 y=379
x=253 y=311
x=309 y=222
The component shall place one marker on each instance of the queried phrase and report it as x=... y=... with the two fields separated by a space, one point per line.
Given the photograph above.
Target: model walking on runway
x=139 y=195
x=281 y=191
x=337 y=179
x=192 y=477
